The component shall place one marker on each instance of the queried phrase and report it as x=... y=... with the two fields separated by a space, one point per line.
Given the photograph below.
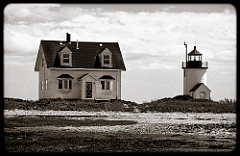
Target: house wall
x=200 y=89
x=78 y=87
x=192 y=76
x=44 y=73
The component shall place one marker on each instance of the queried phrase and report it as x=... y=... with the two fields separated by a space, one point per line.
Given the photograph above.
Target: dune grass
x=61 y=122
x=161 y=105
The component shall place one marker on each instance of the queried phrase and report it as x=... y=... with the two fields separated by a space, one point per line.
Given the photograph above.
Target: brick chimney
x=68 y=38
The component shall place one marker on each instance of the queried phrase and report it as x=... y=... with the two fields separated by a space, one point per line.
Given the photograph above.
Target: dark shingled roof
x=84 y=57
x=65 y=76
x=197 y=86
x=107 y=77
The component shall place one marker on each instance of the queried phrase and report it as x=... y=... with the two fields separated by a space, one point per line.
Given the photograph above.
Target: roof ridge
x=76 y=41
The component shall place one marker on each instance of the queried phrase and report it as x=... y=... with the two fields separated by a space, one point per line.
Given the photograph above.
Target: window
x=42 y=83
x=107 y=85
x=202 y=95
x=103 y=85
x=106 y=59
x=46 y=84
x=42 y=62
x=60 y=84
x=64 y=84
x=66 y=58
x=69 y=82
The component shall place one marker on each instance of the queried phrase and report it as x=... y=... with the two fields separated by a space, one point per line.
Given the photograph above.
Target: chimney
x=77 y=44
x=68 y=38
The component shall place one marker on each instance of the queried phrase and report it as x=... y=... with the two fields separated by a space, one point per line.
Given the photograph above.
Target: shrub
x=177 y=104
x=183 y=97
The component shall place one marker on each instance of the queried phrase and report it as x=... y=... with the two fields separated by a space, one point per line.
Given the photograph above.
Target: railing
x=194 y=64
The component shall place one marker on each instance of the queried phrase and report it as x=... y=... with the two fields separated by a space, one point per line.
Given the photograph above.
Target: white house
x=79 y=70
x=195 y=75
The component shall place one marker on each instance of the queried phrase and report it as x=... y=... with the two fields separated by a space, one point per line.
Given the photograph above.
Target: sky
x=150 y=37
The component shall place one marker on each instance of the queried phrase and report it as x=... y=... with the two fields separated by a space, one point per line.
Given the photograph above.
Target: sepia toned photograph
x=119 y=78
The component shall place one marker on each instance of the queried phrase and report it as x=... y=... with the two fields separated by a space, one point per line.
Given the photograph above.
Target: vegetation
x=61 y=121
x=72 y=142
x=179 y=103
x=22 y=133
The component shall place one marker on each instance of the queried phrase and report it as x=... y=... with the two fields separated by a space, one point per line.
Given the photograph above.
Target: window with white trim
x=66 y=58
x=42 y=84
x=64 y=84
x=46 y=84
x=106 y=59
x=107 y=85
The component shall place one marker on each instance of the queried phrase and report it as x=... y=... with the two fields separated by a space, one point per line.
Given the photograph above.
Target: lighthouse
x=195 y=75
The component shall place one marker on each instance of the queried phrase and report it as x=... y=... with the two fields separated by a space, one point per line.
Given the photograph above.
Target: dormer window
x=65 y=57
x=106 y=58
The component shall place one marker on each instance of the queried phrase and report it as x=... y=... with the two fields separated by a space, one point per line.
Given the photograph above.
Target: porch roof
x=65 y=76
x=107 y=77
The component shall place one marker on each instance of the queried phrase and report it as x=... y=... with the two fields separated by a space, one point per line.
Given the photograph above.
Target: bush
x=177 y=104
x=183 y=97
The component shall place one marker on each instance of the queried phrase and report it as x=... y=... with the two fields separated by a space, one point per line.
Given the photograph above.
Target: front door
x=88 y=89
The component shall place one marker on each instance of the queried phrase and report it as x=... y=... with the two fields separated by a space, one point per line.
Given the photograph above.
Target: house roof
x=84 y=57
x=81 y=77
x=197 y=86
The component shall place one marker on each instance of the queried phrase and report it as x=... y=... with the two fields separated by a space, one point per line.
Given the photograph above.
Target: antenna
x=186 y=50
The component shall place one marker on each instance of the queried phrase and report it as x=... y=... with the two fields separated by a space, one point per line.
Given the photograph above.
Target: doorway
x=88 y=89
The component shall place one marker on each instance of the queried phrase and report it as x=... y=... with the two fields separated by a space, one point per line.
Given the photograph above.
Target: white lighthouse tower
x=195 y=75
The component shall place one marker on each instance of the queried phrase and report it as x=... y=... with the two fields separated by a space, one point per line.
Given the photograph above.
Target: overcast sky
x=150 y=37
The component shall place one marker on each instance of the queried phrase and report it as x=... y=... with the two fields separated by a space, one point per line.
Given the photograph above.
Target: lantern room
x=194 y=60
